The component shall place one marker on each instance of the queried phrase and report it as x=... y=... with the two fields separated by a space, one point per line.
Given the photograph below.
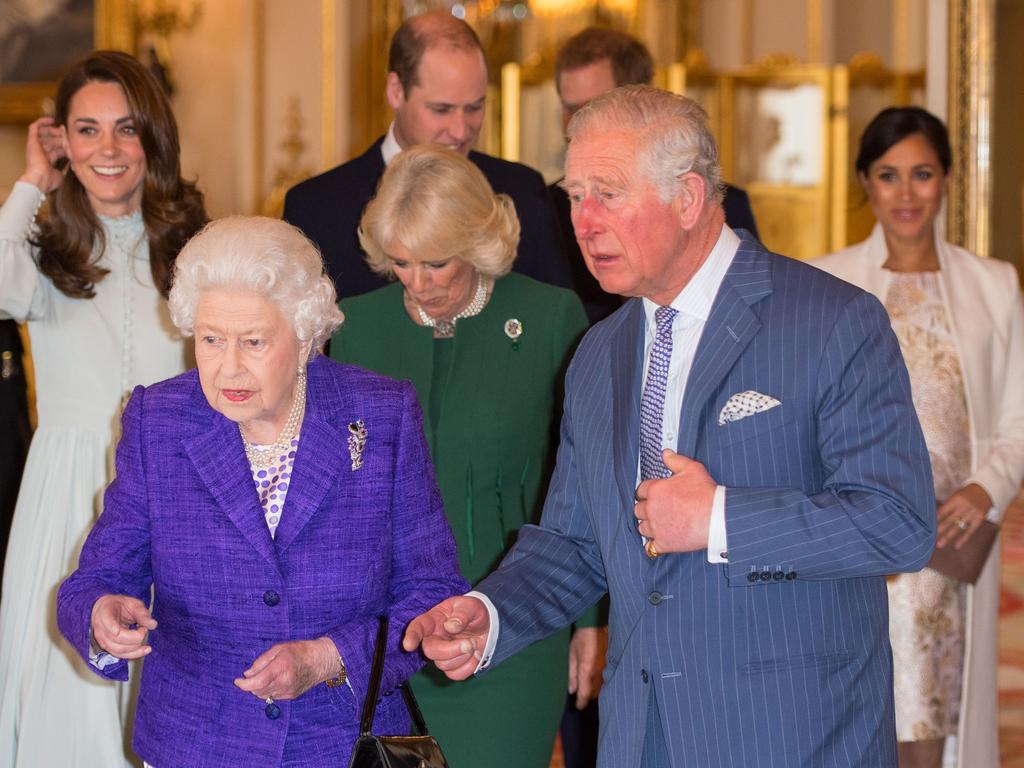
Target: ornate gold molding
x=970 y=111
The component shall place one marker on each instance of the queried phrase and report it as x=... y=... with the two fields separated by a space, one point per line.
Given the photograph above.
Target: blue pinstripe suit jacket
x=781 y=657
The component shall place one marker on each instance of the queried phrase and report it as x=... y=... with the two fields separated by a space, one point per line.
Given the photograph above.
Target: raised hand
x=675 y=512
x=453 y=635
x=120 y=624
x=43 y=148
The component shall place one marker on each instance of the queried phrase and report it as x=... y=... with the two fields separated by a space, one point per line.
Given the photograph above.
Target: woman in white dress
x=960 y=323
x=90 y=278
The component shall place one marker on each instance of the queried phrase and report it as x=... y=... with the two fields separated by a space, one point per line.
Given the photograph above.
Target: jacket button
x=766 y=576
x=644 y=676
x=271 y=598
x=272 y=711
x=654 y=598
x=778 y=575
x=751 y=577
x=791 y=575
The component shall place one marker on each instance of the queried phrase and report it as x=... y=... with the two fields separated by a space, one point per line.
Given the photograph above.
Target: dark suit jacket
x=328 y=208
x=597 y=302
x=183 y=516
x=781 y=656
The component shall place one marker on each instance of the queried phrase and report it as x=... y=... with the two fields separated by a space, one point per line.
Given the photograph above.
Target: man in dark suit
x=588 y=64
x=436 y=86
x=740 y=467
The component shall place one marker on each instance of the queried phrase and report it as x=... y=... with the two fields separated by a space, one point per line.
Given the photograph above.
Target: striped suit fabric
x=781 y=657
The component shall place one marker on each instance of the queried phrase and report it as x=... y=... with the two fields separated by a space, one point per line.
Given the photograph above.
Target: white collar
x=698 y=295
x=390 y=146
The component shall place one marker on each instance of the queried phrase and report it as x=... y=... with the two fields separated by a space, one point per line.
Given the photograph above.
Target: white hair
x=268 y=257
x=673 y=135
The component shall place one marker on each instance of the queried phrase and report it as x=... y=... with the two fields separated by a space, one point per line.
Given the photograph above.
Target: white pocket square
x=744 y=404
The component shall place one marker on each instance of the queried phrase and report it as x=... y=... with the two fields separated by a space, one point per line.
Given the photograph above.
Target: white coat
x=983 y=304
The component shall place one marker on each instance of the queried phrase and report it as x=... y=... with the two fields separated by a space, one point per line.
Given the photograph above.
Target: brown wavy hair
x=172 y=208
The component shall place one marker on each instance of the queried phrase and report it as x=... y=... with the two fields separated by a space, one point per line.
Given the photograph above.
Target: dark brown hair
x=892 y=125
x=631 y=61
x=419 y=33
x=172 y=208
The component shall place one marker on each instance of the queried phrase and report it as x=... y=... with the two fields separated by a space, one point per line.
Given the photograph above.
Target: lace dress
x=88 y=354
x=926 y=609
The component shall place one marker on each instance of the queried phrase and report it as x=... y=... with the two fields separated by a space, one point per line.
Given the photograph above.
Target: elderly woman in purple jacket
x=268 y=507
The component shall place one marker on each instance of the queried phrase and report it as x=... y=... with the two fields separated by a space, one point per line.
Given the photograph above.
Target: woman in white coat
x=960 y=322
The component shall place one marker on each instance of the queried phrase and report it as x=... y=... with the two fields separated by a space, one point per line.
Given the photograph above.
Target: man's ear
x=394 y=91
x=690 y=199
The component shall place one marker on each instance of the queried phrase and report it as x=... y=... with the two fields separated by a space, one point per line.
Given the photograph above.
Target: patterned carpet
x=1011 y=643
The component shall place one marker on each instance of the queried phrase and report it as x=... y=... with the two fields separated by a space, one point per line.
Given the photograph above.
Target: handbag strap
x=414 y=710
x=376 y=670
x=373 y=688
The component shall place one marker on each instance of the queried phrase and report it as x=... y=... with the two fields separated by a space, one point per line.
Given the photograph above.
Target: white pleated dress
x=88 y=353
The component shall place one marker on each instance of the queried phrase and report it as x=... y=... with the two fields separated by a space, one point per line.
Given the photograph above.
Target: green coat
x=492 y=430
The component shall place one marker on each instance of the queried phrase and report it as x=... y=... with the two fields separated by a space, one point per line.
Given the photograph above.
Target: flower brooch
x=514 y=329
x=356 y=443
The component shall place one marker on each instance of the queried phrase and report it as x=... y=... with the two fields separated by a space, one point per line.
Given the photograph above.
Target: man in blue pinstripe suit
x=746 y=563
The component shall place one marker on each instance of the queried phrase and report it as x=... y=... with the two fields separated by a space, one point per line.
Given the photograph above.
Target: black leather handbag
x=419 y=751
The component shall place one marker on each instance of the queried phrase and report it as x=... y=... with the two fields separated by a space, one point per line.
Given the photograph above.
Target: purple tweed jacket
x=183 y=516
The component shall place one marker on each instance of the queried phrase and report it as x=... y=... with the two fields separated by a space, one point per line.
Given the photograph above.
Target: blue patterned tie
x=652 y=402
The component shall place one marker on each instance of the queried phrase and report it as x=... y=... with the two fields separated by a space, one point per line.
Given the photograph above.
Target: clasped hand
x=961 y=515
x=675 y=512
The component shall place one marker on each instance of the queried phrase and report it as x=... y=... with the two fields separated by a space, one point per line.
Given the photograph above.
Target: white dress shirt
x=693 y=306
x=390 y=146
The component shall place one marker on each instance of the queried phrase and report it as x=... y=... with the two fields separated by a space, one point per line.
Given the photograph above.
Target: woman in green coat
x=486 y=351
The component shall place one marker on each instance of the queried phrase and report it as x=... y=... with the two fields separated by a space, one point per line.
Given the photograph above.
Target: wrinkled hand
x=970 y=504
x=453 y=634
x=587 y=650
x=119 y=626
x=287 y=670
x=675 y=512
x=43 y=148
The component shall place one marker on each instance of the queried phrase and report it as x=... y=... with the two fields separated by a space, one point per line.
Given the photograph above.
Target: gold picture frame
x=113 y=27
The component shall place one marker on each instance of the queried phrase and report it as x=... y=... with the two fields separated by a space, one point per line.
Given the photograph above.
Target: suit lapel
x=729 y=329
x=322 y=453
x=627 y=349
x=219 y=458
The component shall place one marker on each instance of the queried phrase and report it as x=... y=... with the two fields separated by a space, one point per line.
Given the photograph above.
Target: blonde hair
x=268 y=257
x=673 y=135
x=436 y=203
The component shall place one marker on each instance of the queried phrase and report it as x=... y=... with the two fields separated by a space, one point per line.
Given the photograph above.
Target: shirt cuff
x=98 y=657
x=492 y=635
x=718 y=549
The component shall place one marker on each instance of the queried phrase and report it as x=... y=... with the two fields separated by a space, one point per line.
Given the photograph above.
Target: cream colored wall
x=214 y=104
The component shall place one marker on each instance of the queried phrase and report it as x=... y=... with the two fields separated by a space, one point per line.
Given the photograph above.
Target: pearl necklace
x=263 y=456
x=445 y=329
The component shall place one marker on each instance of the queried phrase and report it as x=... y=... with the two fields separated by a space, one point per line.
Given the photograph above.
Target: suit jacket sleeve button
x=778 y=575
x=271 y=598
x=751 y=577
x=766 y=576
x=791 y=575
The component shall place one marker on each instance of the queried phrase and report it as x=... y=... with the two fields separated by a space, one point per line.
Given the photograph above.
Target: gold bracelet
x=334 y=682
